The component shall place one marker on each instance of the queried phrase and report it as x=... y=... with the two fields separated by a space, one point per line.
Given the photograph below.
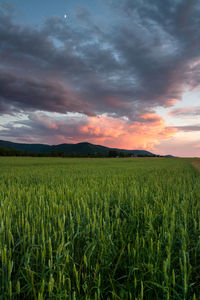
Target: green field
x=99 y=229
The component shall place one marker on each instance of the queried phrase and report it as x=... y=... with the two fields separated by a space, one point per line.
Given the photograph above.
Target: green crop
x=99 y=229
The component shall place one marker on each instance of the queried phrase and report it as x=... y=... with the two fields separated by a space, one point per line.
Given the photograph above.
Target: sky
x=122 y=74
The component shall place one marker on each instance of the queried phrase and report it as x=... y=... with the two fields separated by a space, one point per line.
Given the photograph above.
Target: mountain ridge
x=79 y=148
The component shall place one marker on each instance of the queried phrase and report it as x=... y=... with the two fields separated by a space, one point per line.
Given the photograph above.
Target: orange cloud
x=113 y=132
x=171 y=102
x=146 y=133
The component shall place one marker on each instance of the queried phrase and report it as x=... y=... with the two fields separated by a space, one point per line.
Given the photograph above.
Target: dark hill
x=80 y=148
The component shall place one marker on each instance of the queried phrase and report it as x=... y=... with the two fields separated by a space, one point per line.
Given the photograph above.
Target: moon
x=65 y=16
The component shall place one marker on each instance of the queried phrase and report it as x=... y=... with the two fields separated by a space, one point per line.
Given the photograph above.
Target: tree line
x=111 y=153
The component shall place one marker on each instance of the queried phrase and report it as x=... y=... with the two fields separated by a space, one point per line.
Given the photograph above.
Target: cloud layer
x=104 y=130
x=115 y=77
x=186 y=112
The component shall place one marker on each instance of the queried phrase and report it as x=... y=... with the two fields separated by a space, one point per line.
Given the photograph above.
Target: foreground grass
x=99 y=229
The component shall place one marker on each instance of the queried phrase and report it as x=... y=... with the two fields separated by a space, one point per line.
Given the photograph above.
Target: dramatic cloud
x=104 y=130
x=143 y=62
x=113 y=75
x=24 y=94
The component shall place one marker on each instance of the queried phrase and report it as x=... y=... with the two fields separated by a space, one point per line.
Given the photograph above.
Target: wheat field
x=99 y=229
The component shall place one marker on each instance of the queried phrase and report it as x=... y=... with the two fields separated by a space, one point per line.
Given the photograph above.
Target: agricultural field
x=99 y=229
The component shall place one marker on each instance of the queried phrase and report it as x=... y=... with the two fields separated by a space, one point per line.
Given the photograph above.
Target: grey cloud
x=189 y=128
x=186 y=112
x=25 y=94
x=52 y=130
x=141 y=63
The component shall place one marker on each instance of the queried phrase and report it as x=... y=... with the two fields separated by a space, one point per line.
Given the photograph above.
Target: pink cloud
x=151 y=118
x=194 y=64
x=185 y=111
x=178 y=146
x=114 y=132
x=197 y=146
x=145 y=133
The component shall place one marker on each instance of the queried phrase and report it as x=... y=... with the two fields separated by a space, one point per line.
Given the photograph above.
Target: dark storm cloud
x=24 y=94
x=164 y=42
x=145 y=59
